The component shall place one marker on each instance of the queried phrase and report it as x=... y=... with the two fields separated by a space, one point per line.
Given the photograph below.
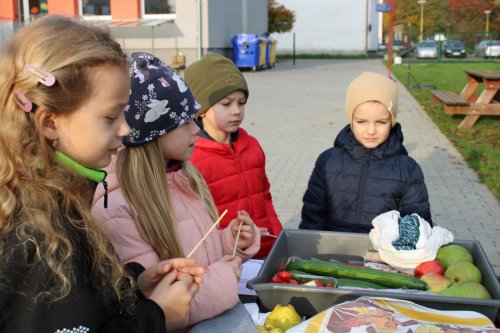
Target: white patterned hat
x=160 y=101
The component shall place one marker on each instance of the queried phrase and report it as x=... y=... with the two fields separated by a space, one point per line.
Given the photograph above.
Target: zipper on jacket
x=361 y=192
x=245 y=182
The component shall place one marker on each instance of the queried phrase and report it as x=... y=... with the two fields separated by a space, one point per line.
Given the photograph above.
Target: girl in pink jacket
x=153 y=215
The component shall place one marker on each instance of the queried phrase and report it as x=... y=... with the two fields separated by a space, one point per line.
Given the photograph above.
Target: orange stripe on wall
x=8 y=10
x=125 y=9
x=66 y=8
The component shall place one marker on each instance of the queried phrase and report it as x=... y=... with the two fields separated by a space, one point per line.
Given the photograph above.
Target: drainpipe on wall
x=366 y=27
x=26 y=10
x=199 y=28
x=19 y=15
x=244 y=16
x=153 y=38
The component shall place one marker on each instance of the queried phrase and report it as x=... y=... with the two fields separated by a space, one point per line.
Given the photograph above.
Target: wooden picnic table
x=487 y=103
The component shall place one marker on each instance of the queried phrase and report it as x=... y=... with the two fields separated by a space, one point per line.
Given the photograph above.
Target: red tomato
x=276 y=279
x=330 y=285
x=292 y=281
x=319 y=283
x=284 y=276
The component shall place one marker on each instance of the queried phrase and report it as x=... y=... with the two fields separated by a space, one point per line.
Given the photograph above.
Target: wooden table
x=487 y=103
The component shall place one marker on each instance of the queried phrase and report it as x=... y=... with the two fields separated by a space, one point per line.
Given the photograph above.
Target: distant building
x=332 y=26
x=163 y=27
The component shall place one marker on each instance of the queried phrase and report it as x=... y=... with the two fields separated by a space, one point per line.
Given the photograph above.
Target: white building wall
x=330 y=26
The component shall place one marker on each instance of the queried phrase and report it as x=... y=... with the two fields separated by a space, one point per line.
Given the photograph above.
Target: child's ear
x=47 y=124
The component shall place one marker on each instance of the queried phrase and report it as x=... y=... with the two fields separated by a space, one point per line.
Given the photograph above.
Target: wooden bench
x=455 y=104
x=467 y=103
x=449 y=98
x=452 y=103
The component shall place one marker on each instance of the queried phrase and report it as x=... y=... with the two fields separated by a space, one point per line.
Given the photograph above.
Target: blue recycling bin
x=246 y=51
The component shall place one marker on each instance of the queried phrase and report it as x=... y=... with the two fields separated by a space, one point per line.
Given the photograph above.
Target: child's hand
x=263 y=230
x=247 y=232
x=236 y=264
x=171 y=284
x=148 y=280
x=175 y=296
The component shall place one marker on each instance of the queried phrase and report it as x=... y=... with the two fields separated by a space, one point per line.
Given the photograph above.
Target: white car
x=427 y=49
x=487 y=48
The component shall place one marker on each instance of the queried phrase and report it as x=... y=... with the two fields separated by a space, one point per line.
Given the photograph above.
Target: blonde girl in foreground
x=63 y=88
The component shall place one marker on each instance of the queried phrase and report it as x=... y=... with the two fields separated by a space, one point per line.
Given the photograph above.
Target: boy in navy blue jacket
x=368 y=171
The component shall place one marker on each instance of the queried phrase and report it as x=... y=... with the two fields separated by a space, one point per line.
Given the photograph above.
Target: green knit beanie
x=212 y=78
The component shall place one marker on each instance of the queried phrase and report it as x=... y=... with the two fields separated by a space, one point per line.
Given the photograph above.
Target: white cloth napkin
x=386 y=230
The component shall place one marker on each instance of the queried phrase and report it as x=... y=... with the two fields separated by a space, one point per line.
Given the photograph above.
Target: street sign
x=421 y=2
x=383 y=7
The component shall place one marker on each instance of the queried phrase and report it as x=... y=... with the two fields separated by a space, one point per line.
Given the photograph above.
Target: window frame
x=155 y=16
x=93 y=16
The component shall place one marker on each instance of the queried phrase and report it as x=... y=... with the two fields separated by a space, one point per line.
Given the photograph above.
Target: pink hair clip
x=40 y=75
x=21 y=100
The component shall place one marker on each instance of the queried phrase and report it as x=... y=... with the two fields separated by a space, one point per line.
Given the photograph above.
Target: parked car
x=454 y=49
x=427 y=49
x=487 y=48
x=402 y=47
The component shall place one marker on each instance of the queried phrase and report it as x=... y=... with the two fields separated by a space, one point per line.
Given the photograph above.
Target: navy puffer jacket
x=350 y=185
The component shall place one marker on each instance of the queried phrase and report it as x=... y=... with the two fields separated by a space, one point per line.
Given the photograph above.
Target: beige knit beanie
x=212 y=78
x=371 y=86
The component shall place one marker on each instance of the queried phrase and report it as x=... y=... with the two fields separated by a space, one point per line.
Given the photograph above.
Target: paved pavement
x=296 y=112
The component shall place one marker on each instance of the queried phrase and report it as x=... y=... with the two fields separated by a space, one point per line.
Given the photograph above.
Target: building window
x=37 y=7
x=158 y=7
x=96 y=7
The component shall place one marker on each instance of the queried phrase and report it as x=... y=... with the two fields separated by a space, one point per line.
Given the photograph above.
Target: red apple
x=432 y=266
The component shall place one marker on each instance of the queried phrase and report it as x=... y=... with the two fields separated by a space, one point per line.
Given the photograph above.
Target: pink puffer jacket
x=219 y=290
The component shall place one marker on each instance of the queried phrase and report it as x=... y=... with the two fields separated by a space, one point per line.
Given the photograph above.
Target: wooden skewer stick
x=206 y=235
x=237 y=237
x=268 y=235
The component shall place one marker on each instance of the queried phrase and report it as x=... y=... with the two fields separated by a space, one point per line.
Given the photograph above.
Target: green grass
x=478 y=145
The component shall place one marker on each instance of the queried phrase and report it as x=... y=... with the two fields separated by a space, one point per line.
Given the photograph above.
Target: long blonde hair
x=142 y=177
x=41 y=202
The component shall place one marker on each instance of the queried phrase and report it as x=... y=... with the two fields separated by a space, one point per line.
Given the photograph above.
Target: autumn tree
x=468 y=15
x=280 y=19
x=407 y=13
x=445 y=16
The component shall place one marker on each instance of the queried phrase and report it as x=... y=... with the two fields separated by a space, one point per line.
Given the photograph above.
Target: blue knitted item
x=408 y=233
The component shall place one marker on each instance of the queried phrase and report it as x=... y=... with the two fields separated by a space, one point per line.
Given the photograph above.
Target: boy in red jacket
x=231 y=161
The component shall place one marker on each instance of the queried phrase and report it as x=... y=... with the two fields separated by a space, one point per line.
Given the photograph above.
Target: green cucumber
x=358 y=284
x=386 y=279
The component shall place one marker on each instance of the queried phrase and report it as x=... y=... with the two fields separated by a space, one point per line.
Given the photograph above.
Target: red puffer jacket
x=236 y=176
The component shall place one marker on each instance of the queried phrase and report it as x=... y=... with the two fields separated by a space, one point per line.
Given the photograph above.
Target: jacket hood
x=392 y=146
x=203 y=134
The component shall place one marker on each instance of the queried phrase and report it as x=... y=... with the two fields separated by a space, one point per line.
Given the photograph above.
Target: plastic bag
x=373 y=314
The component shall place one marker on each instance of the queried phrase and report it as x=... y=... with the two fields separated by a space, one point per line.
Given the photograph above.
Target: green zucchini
x=386 y=279
x=358 y=284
